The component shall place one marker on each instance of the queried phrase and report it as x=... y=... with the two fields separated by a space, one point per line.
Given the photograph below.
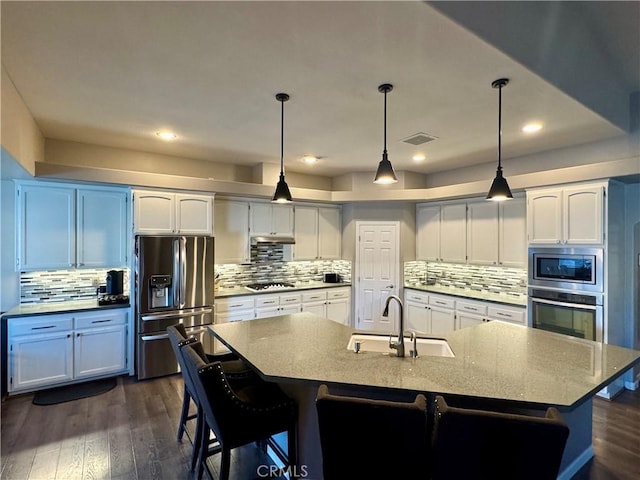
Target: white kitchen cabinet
x=428 y=232
x=48 y=350
x=232 y=309
x=164 y=213
x=282 y=304
x=232 y=232
x=63 y=227
x=317 y=233
x=429 y=313
x=339 y=305
x=511 y=314
x=100 y=343
x=469 y=320
x=572 y=215
x=453 y=233
x=102 y=228
x=40 y=352
x=47 y=233
x=482 y=232
x=512 y=230
x=271 y=219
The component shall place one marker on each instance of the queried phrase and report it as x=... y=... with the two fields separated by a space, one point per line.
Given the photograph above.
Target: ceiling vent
x=419 y=138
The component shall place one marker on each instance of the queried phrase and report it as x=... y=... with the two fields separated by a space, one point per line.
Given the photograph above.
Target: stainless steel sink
x=433 y=347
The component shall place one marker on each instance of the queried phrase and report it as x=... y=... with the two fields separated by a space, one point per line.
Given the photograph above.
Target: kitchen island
x=496 y=365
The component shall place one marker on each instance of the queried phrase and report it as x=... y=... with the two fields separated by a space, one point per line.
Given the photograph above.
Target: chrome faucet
x=399 y=344
x=414 y=340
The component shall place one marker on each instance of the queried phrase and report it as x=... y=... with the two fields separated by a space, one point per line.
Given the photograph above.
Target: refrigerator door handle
x=177 y=282
x=179 y=314
x=183 y=271
x=147 y=338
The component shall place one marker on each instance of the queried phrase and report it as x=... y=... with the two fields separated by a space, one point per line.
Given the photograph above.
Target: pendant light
x=385 y=173
x=282 y=193
x=499 y=190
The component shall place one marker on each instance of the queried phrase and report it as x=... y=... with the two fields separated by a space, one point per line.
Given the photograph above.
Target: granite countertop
x=495 y=360
x=518 y=300
x=236 y=291
x=24 y=310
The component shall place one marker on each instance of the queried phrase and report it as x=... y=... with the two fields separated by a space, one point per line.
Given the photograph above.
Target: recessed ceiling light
x=532 y=127
x=419 y=157
x=166 y=135
x=309 y=159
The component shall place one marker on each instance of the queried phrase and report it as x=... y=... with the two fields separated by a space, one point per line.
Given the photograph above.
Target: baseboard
x=575 y=466
x=632 y=385
x=611 y=390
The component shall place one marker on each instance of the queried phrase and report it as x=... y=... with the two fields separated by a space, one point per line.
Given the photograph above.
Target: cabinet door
x=339 y=310
x=329 y=233
x=232 y=232
x=544 y=216
x=99 y=351
x=513 y=233
x=46 y=231
x=194 y=214
x=40 y=360
x=317 y=308
x=282 y=220
x=583 y=218
x=453 y=233
x=418 y=317
x=443 y=320
x=482 y=233
x=306 y=234
x=469 y=320
x=102 y=228
x=428 y=232
x=261 y=219
x=154 y=212
x=266 y=312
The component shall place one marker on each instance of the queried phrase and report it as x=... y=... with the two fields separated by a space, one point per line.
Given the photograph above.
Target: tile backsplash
x=64 y=285
x=268 y=264
x=475 y=277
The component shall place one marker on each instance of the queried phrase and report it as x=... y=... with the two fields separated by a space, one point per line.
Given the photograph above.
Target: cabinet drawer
x=413 y=296
x=445 y=302
x=267 y=301
x=234 y=304
x=507 y=314
x=314 y=296
x=338 y=293
x=100 y=319
x=290 y=299
x=477 y=308
x=40 y=324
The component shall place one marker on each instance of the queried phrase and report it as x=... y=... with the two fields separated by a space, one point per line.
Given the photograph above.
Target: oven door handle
x=564 y=304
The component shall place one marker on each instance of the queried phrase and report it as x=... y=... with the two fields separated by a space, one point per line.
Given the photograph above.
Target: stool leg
x=197 y=444
x=203 y=450
x=225 y=463
x=292 y=447
x=186 y=400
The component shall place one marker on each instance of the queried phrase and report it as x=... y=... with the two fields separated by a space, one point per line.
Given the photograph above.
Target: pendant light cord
x=385 y=121
x=500 y=128
x=282 y=138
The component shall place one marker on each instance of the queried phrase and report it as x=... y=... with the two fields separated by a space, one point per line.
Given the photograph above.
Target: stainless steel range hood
x=272 y=240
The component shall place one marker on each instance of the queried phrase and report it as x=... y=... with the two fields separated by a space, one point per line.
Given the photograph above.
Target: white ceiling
x=114 y=73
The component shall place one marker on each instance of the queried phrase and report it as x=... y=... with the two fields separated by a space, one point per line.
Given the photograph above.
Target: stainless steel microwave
x=567 y=268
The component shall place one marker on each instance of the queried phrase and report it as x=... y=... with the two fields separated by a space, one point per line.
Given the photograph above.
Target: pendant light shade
x=282 y=193
x=385 y=173
x=499 y=190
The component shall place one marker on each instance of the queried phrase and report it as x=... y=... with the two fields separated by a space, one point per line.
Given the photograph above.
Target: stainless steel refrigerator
x=174 y=284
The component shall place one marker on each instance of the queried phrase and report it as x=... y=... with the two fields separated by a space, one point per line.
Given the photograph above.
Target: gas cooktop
x=261 y=287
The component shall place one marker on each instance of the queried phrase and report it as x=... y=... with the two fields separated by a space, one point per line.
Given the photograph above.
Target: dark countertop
x=237 y=291
x=27 y=310
x=496 y=361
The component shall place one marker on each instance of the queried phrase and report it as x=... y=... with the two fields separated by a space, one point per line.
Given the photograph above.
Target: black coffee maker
x=115 y=281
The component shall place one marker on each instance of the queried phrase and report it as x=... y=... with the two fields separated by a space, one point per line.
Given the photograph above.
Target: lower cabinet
x=331 y=303
x=47 y=350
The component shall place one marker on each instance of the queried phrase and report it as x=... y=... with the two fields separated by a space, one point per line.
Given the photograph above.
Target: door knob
x=389 y=286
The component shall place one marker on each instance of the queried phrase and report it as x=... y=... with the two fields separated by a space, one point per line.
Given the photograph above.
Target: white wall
x=632 y=273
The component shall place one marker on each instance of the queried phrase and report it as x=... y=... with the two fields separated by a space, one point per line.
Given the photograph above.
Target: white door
x=377 y=274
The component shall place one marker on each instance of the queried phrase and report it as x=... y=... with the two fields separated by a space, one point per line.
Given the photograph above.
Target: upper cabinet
x=66 y=227
x=271 y=219
x=232 y=231
x=572 y=215
x=441 y=232
x=476 y=232
x=163 y=213
x=317 y=233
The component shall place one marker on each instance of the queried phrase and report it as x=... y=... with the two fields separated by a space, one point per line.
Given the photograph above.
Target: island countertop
x=495 y=360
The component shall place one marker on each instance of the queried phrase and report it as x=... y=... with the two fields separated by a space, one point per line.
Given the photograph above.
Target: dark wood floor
x=129 y=433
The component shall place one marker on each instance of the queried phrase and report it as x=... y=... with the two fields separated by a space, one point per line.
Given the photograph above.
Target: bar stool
x=238 y=415
x=486 y=445
x=367 y=438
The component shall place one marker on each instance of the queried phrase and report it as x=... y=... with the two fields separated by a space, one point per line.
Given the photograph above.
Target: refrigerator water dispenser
x=160 y=288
